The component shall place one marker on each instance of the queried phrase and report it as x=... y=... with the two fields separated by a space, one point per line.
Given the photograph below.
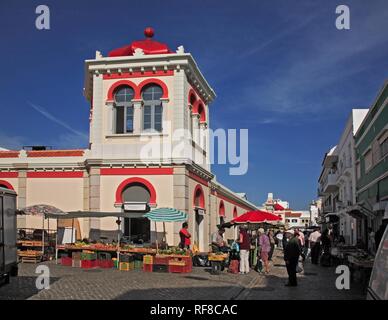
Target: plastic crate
x=147 y=259
x=178 y=268
x=66 y=261
x=106 y=264
x=159 y=259
x=76 y=255
x=126 y=266
x=138 y=264
x=87 y=264
x=147 y=267
x=104 y=256
x=76 y=263
x=88 y=256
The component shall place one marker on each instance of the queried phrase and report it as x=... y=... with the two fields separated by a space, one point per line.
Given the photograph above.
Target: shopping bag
x=299 y=267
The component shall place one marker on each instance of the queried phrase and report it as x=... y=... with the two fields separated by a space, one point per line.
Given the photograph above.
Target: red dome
x=148 y=46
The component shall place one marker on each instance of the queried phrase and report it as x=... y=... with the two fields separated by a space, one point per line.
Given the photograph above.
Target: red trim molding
x=136 y=171
x=220 y=196
x=199 y=189
x=138 y=74
x=117 y=84
x=9 y=154
x=6 y=184
x=9 y=174
x=55 y=153
x=198 y=179
x=56 y=174
x=129 y=181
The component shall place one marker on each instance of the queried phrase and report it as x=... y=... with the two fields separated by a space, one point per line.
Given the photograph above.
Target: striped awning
x=166 y=215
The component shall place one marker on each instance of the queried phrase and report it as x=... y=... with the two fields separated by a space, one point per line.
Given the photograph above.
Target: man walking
x=291 y=257
x=314 y=242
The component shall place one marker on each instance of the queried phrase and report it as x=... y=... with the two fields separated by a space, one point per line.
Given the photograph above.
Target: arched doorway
x=136 y=229
x=221 y=212
x=199 y=221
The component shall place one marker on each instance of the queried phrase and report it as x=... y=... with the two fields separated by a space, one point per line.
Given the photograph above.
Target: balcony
x=329 y=184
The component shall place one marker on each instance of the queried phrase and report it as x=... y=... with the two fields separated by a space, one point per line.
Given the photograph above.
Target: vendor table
x=217 y=262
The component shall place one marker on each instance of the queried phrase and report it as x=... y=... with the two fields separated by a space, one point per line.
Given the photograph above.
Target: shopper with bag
x=265 y=248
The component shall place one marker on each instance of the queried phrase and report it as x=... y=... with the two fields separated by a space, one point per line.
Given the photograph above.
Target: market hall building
x=137 y=93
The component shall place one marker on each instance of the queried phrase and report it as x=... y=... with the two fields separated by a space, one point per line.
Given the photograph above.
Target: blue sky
x=280 y=69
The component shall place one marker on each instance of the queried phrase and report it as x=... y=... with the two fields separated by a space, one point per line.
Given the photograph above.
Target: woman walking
x=265 y=248
x=245 y=245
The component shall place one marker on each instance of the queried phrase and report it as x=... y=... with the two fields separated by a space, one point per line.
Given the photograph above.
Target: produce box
x=106 y=264
x=147 y=267
x=76 y=263
x=87 y=264
x=104 y=256
x=126 y=266
x=178 y=268
x=147 y=259
x=126 y=258
x=76 y=255
x=66 y=261
x=161 y=259
x=88 y=256
x=138 y=264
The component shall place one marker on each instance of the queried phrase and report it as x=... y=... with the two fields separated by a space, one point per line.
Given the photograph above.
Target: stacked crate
x=104 y=260
x=127 y=262
x=88 y=259
x=76 y=260
x=148 y=262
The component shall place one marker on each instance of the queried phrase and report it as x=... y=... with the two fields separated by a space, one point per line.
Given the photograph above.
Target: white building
x=337 y=182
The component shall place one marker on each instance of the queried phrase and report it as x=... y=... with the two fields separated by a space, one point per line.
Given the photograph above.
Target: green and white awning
x=166 y=215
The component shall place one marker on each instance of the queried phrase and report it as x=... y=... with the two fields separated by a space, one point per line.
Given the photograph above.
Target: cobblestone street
x=73 y=283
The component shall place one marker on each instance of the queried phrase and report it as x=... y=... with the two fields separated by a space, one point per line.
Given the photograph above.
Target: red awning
x=278 y=207
x=257 y=216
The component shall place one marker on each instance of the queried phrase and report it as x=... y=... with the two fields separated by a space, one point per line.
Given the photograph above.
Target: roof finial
x=149 y=32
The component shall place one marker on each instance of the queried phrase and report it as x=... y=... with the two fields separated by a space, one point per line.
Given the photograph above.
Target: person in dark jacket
x=291 y=256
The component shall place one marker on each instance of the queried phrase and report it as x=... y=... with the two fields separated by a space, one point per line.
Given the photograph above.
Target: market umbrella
x=257 y=216
x=165 y=215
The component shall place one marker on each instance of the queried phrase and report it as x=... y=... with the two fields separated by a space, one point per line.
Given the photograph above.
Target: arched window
x=152 y=110
x=199 y=198
x=124 y=109
x=136 y=192
x=221 y=211
x=6 y=185
x=235 y=212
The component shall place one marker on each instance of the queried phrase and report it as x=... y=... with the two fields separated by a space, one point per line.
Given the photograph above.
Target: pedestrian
x=371 y=241
x=326 y=245
x=279 y=237
x=284 y=240
x=301 y=241
x=314 y=242
x=272 y=243
x=291 y=257
x=265 y=248
x=185 y=236
x=245 y=245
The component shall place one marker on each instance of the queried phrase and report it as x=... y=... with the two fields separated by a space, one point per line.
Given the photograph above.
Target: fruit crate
x=178 y=268
x=126 y=266
x=88 y=256
x=66 y=261
x=88 y=264
x=161 y=259
x=76 y=255
x=76 y=263
x=148 y=259
x=147 y=267
x=106 y=264
x=138 y=264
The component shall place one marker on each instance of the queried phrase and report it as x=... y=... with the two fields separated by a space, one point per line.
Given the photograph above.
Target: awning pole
x=156 y=237
x=56 y=244
x=43 y=238
x=72 y=230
